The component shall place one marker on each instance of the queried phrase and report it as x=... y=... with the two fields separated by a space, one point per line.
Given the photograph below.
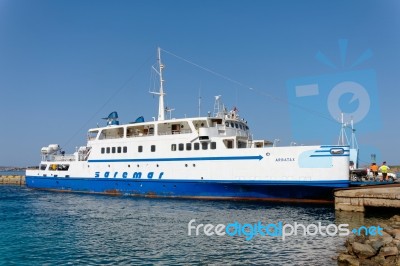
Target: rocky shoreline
x=368 y=250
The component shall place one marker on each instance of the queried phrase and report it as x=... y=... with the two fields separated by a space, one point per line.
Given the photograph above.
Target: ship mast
x=343 y=136
x=160 y=93
x=161 y=109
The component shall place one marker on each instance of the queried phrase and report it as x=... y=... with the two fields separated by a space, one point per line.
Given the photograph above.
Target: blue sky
x=66 y=64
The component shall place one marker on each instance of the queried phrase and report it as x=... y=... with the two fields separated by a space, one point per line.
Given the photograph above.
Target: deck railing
x=58 y=158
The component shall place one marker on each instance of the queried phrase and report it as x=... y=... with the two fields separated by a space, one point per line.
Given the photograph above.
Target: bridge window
x=181 y=146
x=241 y=144
x=108 y=149
x=153 y=148
x=258 y=144
x=140 y=148
x=113 y=149
x=204 y=145
x=213 y=145
x=228 y=143
x=59 y=167
x=92 y=134
x=112 y=133
x=173 y=147
x=188 y=146
x=63 y=167
x=197 y=146
x=103 y=150
x=176 y=128
x=43 y=166
x=119 y=149
x=124 y=149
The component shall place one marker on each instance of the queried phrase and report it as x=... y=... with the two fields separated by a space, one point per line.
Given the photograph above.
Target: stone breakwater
x=18 y=180
x=382 y=250
x=358 y=198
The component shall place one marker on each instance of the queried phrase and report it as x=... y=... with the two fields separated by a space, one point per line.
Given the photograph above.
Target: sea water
x=50 y=228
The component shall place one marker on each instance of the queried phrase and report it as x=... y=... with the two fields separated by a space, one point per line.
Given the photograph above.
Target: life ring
x=54 y=167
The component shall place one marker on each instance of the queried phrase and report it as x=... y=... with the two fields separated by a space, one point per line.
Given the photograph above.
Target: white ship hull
x=275 y=173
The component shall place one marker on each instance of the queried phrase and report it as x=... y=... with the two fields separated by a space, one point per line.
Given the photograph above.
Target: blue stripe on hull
x=321 y=190
x=225 y=158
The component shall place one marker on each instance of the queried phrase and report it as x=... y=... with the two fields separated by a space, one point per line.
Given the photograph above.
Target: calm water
x=46 y=228
x=12 y=173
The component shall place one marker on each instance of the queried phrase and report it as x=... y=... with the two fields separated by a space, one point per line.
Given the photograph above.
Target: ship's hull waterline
x=314 y=191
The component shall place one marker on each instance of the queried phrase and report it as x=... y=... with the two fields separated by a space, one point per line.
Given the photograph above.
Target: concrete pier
x=357 y=198
x=18 y=180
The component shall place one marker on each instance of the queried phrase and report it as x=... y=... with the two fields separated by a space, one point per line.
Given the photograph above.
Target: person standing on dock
x=384 y=170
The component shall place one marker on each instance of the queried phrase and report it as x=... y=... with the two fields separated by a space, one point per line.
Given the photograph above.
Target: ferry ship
x=211 y=157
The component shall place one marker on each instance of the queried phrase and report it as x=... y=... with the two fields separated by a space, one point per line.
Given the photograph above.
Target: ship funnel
x=112 y=119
